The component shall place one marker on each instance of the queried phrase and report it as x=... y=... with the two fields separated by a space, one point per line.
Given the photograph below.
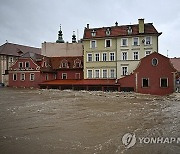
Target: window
x=104 y=75
x=27 y=64
x=107 y=43
x=93 y=32
x=108 y=31
x=154 y=61
x=112 y=73
x=20 y=64
x=124 y=70
x=64 y=75
x=11 y=59
x=97 y=58
x=93 y=44
x=97 y=73
x=64 y=65
x=22 y=77
x=145 y=82
x=147 y=53
x=46 y=77
x=78 y=65
x=135 y=41
x=148 y=40
x=112 y=56
x=124 y=42
x=164 y=82
x=124 y=55
x=55 y=76
x=89 y=75
x=32 y=77
x=136 y=56
x=104 y=57
x=44 y=64
x=14 y=77
x=89 y=55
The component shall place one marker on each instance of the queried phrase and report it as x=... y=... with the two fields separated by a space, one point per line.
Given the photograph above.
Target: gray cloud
x=32 y=22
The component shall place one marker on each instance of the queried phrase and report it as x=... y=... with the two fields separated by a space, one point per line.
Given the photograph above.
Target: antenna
x=167 y=52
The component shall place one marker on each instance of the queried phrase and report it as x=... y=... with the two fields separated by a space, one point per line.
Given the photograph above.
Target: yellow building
x=113 y=52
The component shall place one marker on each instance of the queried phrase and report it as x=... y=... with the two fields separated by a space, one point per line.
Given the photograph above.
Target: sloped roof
x=32 y=55
x=120 y=31
x=13 y=49
x=56 y=61
x=176 y=63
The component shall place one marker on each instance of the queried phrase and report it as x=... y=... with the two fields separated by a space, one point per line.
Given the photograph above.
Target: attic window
x=154 y=61
x=129 y=30
x=108 y=31
x=93 y=33
x=64 y=65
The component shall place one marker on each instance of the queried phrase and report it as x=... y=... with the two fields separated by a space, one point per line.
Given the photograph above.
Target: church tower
x=60 y=38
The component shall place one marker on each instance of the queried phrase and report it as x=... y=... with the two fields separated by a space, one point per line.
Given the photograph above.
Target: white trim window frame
x=27 y=62
x=93 y=44
x=135 y=55
x=124 y=70
x=124 y=42
x=109 y=44
x=148 y=40
x=112 y=73
x=112 y=56
x=162 y=86
x=104 y=73
x=88 y=73
x=89 y=57
x=96 y=56
x=64 y=76
x=135 y=41
x=23 y=77
x=20 y=64
x=32 y=76
x=15 y=77
x=104 y=56
x=124 y=56
x=46 y=77
x=97 y=73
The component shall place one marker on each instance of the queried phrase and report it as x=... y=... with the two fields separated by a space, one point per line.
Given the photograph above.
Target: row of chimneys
x=141 y=25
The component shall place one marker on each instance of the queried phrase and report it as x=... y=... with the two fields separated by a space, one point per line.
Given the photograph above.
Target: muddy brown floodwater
x=80 y=122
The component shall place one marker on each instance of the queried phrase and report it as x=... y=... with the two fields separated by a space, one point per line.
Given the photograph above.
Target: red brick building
x=30 y=70
x=68 y=67
x=155 y=75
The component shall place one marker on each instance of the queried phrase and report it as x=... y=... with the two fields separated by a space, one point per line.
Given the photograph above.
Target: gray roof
x=15 y=49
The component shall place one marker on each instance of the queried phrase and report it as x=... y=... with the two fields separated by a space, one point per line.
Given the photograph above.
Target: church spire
x=60 y=38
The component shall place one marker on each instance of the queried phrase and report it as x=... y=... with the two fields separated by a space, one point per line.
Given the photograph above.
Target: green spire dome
x=60 y=38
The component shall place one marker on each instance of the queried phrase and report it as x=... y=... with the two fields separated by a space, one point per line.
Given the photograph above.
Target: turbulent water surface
x=80 y=122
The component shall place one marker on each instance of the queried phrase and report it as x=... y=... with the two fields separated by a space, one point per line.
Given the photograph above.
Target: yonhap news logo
x=129 y=140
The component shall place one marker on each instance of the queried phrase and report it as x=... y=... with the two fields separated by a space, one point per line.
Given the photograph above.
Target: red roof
x=81 y=82
x=120 y=31
x=56 y=61
x=176 y=63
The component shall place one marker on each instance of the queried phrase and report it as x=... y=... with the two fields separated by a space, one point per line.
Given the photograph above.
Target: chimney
x=141 y=25
x=116 y=23
x=87 y=26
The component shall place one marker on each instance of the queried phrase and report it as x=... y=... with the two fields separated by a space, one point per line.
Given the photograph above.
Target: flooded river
x=81 y=122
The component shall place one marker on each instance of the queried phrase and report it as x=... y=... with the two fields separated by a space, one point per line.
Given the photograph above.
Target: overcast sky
x=31 y=22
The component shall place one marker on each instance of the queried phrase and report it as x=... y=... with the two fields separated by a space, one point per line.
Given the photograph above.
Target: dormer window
x=27 y=64
x=44 y=64
x=64 y=64
x=77 y=63
x=93 y=33
x=108 y=31
x=129 y=30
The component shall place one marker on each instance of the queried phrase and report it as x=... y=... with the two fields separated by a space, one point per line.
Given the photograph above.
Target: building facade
x=114 y=52
x=9 y=53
